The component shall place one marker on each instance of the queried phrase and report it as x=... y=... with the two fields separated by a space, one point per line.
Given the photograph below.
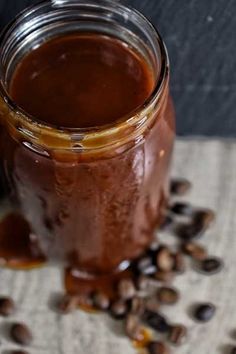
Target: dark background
x=201 y=39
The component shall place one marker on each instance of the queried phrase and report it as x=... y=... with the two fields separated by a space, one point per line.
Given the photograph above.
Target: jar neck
x=54 y=18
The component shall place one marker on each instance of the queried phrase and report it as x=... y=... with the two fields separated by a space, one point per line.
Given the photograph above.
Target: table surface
x=211 y=166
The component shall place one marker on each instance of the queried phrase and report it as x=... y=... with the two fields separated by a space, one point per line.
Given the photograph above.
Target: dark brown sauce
x=18 y=246
x=81 y=80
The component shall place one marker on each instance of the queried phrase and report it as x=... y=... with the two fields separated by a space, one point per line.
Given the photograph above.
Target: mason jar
x=93 y=196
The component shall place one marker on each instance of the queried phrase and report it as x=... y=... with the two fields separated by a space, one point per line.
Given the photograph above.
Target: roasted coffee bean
x=133 y=328
x=164 y=259
x=150 y=270
x=211 y=265
x=126 y=289
x=158 y=348
x=201 y=221
x=145 y=265
x=119 y=309
x=195 y=250
x=204 y=218
x=180 y=186
x=164 y=277
x=68 y=303
x=101 y=301
x=167 y=222
x=204 y=312
x=136 y=305
x=21 y=334
x=177 y=334
x=152 y=304
x=143 y=282
x=156 y=321
x=189 y=232
x=7 y=306
x=179 y=263
x=167 y=296
x=182 y=209
x=233 y=350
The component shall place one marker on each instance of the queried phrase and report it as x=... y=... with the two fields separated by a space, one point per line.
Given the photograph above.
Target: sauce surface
x=81 y=80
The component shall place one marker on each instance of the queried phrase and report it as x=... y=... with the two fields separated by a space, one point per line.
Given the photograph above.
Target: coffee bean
x=180 y=186
x=233 y=350
x=164 y=259
x=158 y=348
x=182 y=209
x=21 y=334
x=119 y=309
x=145 y=266
x=211 y=265
x=200 y=223
x=189 y=232
x=166 y=223
x=133 y=328
x=144 y=263
x=179 y=263
x=143 y=282
x=167 y=296
x=156 y=321
x=136 y=305
x=7 y=306
x=150 y=270
x=152 y=304
x=195 y=250
x=126 y=289
x=204 y=218
x=204 y=312
x=178 y=334
x=68 y=303
x=101 y=301
x=164 y=277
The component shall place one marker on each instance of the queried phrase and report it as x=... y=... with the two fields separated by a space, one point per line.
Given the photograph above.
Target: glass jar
x=92 y=196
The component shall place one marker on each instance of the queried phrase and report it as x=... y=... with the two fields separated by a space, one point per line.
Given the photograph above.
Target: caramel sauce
x=81 y=80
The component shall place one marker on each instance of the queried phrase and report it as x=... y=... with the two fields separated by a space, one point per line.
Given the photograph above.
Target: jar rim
x=131 y=118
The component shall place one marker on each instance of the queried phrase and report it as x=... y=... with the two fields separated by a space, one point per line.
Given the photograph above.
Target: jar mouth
x=133 y=118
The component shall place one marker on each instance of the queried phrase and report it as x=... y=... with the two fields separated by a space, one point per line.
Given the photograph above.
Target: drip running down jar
x=87 y=130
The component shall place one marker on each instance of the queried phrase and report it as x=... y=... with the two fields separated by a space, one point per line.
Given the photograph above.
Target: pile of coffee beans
x=140 y=298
